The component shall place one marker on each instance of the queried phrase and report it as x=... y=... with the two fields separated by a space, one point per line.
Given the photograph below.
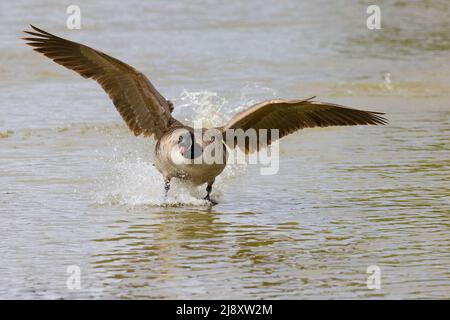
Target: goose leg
x=208 y=190
x=166 y=188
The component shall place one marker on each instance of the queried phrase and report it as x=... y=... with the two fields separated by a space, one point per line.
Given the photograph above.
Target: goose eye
x=180 y=138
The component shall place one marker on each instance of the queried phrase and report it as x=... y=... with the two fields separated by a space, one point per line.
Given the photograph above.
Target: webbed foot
x=210 y=200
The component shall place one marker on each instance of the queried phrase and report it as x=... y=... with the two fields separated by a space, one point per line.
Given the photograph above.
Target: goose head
x=185 y=141
x=184 y=147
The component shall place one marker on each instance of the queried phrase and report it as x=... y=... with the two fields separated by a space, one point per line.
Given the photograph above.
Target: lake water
x=78 y=189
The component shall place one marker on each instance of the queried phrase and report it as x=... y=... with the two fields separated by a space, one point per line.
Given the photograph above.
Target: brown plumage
x=142 y=107
x=289 y=116
x=147 y=112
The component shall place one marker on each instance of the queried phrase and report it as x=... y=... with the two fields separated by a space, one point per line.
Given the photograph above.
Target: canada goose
x=147 y=112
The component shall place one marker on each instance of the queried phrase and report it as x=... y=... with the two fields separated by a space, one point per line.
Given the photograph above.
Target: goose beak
x=182 y=150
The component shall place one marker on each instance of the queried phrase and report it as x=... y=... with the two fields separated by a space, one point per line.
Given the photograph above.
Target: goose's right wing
x=142 y=107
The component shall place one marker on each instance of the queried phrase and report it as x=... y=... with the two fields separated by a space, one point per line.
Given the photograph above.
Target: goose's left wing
x=291 y=115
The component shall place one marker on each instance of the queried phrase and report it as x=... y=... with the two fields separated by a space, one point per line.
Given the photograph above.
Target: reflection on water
x=203 y=253
x=77 y=188
x=160 y=252
x=198 y=252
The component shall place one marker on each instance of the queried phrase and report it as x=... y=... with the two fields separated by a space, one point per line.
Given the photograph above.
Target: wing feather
x=142 y=107
x=289 y=116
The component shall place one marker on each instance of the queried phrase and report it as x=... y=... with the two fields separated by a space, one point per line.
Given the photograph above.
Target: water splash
x=215 y=110
x=133 y=181
x=204 y=105
x=253 y=93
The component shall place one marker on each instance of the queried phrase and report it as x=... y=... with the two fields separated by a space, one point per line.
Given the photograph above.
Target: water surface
x=77 y=188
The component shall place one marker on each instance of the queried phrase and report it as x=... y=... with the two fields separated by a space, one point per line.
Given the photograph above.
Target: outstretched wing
x=142 y=107
x=291 y=115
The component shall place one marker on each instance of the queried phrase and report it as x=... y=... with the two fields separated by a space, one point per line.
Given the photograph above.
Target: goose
x=146 y=112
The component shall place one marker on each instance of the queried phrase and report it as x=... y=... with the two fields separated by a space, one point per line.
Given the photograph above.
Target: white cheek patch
x=177 y=158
